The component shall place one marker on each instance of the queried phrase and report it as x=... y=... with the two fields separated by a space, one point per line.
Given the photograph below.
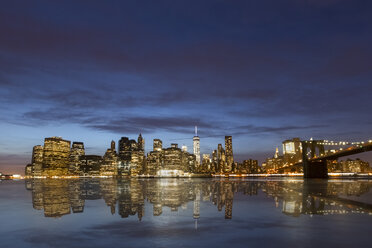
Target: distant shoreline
x=294 y=175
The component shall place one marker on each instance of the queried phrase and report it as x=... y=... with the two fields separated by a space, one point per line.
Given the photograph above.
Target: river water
x=186 y=213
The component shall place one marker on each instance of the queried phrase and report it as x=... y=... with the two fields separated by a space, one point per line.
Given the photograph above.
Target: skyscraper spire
x=196 y=141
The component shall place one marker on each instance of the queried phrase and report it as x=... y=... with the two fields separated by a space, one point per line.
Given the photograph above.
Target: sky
x=261 y=71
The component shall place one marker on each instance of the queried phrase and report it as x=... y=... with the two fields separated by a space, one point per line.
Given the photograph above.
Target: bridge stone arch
x=313 y=169
x=315 y=147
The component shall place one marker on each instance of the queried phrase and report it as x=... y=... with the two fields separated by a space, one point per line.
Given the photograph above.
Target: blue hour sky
x=261 y=71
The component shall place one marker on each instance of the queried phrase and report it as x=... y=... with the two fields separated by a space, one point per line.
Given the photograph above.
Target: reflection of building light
x=170 y=173
x=289 y=207
x=169 y=183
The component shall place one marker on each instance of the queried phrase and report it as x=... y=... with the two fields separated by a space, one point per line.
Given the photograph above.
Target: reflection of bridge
x=320 y=197
x=316 y=166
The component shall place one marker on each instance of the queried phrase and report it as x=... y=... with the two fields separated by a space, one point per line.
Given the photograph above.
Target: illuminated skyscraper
x=56 y=156
x=37 y=160
x=229 y=153
x=221 y=158
x=113 y=146
x=158 y=145
x=292 y=151
x=214 y=161
x=141 y=143
x=196 y=141
x=77 y=150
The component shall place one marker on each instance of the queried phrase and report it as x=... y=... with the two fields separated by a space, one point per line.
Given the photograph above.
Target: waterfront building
x=131 y=156
x=172 y=164
x=56 y=156
x=354 y=166
x=90 y=165
x=110 y=162
x=154 y=162
x=77 y=150
x=229 y=154
x=274 y=163
x=170 y=161
x=249 y=166
x=333 y=166
x=29 y=170
x=37 y=160
x=137 y=162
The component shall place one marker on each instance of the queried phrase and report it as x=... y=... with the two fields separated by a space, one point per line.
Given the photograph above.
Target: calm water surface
x=185 y=213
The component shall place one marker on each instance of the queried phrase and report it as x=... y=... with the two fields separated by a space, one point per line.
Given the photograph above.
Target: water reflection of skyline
x=127 y=197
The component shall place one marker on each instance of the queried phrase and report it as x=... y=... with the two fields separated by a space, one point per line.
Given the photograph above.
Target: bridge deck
x=347 y=152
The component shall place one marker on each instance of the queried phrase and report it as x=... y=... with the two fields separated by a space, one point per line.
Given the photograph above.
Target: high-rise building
x=229 y=153
x=250 y=166
x=354 y=166
x=113 y=146
x=141 y=143
x=173 y=160
x=214 y=161
x=196 y=141
x=292 y=151
x=90 y=165
x=137 y=162
x=221 y=158
x=206 y=163
x=131 y=156
x=184 y=148
x=56 y=156
x=158 y=145
x=153 y=162
x=77 y=150
x=109 y=166
x=37 y=160
x=126 y=146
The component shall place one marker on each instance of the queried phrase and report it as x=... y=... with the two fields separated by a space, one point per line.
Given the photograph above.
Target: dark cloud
x=280 y=129
x=180 y=124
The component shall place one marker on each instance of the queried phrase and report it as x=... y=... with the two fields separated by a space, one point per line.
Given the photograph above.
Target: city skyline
x=59 y=158
x=262 y=72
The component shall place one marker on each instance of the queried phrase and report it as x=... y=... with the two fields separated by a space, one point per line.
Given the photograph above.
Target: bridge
x=315 y=166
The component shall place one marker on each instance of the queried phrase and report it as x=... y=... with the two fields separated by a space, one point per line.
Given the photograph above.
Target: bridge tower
x=313 y=168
